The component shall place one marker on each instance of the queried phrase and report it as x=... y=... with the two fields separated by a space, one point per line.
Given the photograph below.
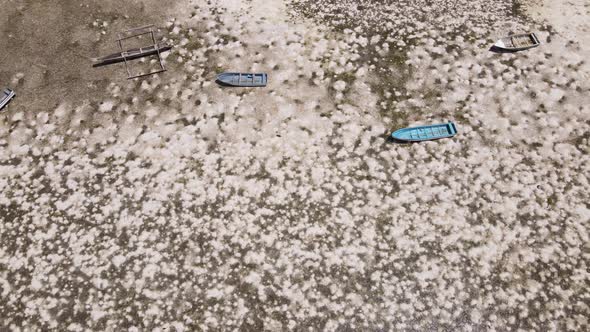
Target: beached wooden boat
x=132 y=54
x=425 y=133
x=5 y=97
x=243 y=79
x=518 y=42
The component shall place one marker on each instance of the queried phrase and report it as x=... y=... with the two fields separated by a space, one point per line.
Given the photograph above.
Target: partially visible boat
x=518 y=42
x=132 y=54
x=5 y=97
x=425 y=133
x=243 y=79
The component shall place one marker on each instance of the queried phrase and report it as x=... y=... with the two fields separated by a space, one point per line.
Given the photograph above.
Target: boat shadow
x=226 y=85
x=110 y=62
x=104 y=64
x=498 y=50
x=392 y=140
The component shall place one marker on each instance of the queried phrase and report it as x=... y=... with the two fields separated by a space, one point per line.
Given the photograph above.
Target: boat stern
x=452 y=128
x=536 y=40
x=9 y=93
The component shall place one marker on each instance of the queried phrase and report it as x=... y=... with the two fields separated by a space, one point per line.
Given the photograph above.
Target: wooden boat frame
x=156 y=48
x=132 y=54
x=134 y=33
x=6 y=97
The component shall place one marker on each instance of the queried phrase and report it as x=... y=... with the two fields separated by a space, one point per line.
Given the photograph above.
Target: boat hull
x=518 y=42
x=243 y=79
x=425 y=133
x=5 y=97
x=131 y=55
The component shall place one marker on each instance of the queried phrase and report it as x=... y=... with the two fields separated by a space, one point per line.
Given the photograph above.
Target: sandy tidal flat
x=173 y=204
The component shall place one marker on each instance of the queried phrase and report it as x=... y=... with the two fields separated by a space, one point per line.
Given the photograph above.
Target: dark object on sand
x=517 y=43
x=425 y=133
x=131 y=54
x=243 y=79
x=5 y=97
x=156 y=48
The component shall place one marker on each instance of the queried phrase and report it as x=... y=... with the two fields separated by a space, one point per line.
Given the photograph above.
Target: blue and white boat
x=243 y=79
x=5 y=97
x=425 y=133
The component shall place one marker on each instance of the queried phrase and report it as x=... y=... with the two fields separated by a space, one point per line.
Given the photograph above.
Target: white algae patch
x=173 y=204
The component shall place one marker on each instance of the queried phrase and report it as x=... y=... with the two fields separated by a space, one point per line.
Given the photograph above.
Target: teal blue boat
x=425 y=133
x=243 y=79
